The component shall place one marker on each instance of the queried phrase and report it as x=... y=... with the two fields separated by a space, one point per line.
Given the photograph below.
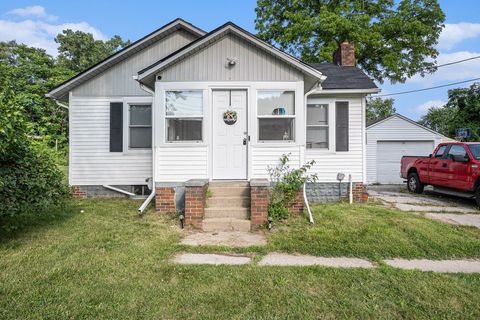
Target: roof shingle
x=339 y=77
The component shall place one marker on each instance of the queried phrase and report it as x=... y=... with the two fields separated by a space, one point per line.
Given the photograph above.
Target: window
x=317 y=126
x=140 y=126
x=184 y=115
x=457 y=150
x=475 y=150
x=440 y=152
x=276 y=115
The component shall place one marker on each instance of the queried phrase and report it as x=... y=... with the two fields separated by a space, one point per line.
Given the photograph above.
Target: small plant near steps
x=228 y=206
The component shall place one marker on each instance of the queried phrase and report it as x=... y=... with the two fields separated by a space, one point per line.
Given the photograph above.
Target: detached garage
x=391 y=138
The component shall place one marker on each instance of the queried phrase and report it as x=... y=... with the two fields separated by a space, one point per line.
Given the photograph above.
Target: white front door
x=229 y=147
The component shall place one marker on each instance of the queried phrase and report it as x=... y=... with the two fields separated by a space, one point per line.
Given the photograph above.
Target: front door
x=229 y=134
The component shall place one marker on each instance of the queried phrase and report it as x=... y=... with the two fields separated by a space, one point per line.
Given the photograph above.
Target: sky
x=36 y=23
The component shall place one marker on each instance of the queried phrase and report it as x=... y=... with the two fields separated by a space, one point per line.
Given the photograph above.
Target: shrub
x=286 y=183
x=30 y=180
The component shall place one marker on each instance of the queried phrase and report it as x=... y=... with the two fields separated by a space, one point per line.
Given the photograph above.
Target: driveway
x=431 y=204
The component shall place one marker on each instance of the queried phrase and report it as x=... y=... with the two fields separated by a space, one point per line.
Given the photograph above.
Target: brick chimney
x=345 y=54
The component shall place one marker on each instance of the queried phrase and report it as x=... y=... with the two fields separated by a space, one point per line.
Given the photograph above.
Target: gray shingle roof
x=339 y=77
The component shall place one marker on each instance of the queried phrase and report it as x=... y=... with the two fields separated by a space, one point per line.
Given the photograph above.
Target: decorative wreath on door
x=230 y=117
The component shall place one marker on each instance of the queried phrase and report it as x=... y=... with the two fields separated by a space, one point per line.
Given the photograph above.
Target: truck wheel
x=413 y=183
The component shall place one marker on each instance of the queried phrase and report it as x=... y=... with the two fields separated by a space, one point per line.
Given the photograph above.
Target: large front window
x=184 y=115
x=276 y=115
x=140 y=126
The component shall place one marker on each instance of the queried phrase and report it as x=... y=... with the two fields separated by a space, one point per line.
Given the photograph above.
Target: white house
x=391 y=138
x=183 y=104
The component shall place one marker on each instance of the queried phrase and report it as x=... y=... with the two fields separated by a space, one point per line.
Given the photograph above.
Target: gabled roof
x=397 y=115
x=63 y=88
x=343 y=77
x=228 y=27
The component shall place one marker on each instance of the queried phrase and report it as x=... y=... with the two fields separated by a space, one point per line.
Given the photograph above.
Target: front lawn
x=374 y=231
x=108 y=263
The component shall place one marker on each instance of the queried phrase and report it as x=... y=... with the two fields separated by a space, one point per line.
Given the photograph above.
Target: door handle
x=244 y=141
x=444 y=165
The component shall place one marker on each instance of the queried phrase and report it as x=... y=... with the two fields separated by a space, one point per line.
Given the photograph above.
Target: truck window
x=457 y=150
x=440 y=152
x=475 y=150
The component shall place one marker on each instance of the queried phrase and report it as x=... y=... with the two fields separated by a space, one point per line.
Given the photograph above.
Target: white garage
x=390 y=139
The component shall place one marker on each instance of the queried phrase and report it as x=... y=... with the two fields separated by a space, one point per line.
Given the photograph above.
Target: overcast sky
x=36 y=23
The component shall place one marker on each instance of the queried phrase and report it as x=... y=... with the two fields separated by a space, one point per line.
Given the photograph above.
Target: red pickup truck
x=453 y=168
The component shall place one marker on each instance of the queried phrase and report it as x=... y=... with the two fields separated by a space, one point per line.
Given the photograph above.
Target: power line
x=425 y=89
x=455 y=62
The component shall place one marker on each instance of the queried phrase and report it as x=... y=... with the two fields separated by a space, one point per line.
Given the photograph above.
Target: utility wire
x=455 y=62
x=425 y=89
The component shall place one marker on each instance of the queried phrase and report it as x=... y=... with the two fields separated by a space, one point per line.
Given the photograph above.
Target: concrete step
x=225 y=224
x=226 y=212
x=224 y=191
x=229 y=183
x=218 y=201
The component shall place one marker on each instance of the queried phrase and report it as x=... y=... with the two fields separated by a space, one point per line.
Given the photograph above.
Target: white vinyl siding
x=263 y=157
x=181 y=163
x=118 y=80
x=209 y=64
x=329 y=162
x=396 y=129
x=91 y=163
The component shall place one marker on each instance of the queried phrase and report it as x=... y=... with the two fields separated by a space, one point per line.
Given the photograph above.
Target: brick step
x=224 y=191
x=219 y=201
x=225 y=224
x=226 y=212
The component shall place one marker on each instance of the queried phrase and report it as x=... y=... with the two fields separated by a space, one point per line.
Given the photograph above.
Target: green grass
x=373 y=231
x=108 y=263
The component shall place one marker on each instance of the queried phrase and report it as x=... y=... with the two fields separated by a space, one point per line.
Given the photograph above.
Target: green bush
x=286 y=183
x=30 y=180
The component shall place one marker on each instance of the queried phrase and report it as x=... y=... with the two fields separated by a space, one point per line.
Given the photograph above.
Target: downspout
x=316 y=87
x=118 y=190
x=60 y=104
x=152 y=194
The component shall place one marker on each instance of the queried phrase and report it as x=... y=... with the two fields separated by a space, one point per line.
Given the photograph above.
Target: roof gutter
x=59 y=103
x=152 y=194
x=335 y=91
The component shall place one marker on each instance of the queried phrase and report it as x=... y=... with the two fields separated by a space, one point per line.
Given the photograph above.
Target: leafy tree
x=29 y=178
x=393 y=39
x=79 y=50
x=378 y=108
x=29 y=73
x=461 y=111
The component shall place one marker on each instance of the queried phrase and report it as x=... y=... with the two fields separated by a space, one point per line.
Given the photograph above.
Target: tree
x=461 y=111
x=79 y=50
x=393 y=39
x=30 y=181
x=29 y=73
x=378 y=108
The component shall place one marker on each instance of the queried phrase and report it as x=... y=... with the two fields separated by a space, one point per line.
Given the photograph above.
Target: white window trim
x=166 y=117
x=331 y=125
x=127 y=101
x=290 y=116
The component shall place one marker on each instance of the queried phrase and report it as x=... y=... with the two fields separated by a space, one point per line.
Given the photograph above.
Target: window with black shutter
x=116 y=127
x=341 y=126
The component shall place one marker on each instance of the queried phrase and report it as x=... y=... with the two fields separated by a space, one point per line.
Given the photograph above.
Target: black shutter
x=116 y=127
x=341 y=126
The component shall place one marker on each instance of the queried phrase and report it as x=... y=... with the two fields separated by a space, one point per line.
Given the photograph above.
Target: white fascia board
x=286 y=57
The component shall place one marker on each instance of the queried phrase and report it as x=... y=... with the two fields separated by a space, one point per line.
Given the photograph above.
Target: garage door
x=389 y=154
